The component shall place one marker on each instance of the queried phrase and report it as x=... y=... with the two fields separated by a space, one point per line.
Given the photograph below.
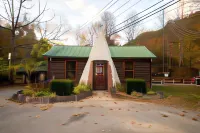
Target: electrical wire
x=138 y=20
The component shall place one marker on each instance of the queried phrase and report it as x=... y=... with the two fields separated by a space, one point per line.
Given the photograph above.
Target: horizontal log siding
x=120 y=70
x=142 y=70
x=57 y=69
x=80 y=68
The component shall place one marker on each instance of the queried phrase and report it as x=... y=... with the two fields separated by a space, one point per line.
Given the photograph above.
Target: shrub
x=120 y=87
x=137 y=85
x=45 y=93
x=82 y=88
x=4 y=76
x=134 y=93
x=151 y=92
x=28 y=92
x=62 y=87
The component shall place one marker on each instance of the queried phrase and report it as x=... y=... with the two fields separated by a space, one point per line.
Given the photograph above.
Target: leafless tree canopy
x=87 y=36
x=16 y=16
x=130 y=32
x=108 y=20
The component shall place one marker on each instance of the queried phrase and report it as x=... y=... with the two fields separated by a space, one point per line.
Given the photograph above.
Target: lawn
x=181 y=94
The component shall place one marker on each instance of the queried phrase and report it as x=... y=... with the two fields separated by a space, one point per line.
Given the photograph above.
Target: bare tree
x=52 y=31
x=14 y=11
x=87 y=36
x=108 y=20
x=130 y=32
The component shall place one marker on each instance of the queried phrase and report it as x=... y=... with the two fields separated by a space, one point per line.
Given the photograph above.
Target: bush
x=28 y=92
x=44 y=93
x=82 y=88
x=120 y=87
x=137 y=94
x=4 y=76
x=151 y=92
x=134 y=93
x=62 y=87
x=137 y=85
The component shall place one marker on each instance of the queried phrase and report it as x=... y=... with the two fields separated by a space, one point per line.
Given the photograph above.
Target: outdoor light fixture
x=9 y=56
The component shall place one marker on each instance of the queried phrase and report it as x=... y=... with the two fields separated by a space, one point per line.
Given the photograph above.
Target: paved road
x=97 y=114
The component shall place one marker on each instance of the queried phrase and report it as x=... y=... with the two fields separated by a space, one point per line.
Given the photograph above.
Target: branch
x=35 y=17
x=6 y=12
x=20 y=7
x=5 y=28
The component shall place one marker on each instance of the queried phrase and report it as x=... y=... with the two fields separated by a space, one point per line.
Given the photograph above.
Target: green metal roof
x=84 y=52
x=68 y=51
x=130 y=51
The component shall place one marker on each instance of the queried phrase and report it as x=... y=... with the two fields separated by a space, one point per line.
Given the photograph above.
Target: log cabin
x=101 y=66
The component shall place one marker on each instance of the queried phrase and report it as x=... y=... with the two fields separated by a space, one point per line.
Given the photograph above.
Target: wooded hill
x=153 y=40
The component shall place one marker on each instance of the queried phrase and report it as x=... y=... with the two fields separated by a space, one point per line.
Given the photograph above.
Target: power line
x=161 y=14
x=129 y=8
x=94 y=17
x=138 y=20
x=140 y=12
x=121 y=6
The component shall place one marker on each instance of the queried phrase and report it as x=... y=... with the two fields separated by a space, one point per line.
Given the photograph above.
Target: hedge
x=138 y=85
x=62 y=87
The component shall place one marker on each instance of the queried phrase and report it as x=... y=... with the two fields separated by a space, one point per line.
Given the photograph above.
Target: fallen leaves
x=182 y=114
x=164 y=115
x=132 y=122
x=119 y=109
x=198 y=115
x=184 y=111
x=194 y=119
x=37 y=116
x=115 y=102
x=76 y=115
x=150 y=126
x=95 y=123
x=46 y=107
x=111 y=109
x=102 y=115
x=79 y=114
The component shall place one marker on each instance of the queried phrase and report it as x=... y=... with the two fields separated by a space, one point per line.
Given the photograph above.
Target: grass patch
x=187 y=94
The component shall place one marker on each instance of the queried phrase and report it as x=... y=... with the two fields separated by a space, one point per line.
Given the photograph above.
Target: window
x=99 y=69
x=129 y=69
x=71 y=69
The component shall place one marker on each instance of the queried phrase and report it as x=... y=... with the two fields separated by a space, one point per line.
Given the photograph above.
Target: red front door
x=100 y=76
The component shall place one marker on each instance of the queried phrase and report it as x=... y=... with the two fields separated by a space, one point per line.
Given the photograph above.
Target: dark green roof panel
x=84 y=52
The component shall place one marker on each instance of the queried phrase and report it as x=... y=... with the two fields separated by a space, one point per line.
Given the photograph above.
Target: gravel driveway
x=97 y=114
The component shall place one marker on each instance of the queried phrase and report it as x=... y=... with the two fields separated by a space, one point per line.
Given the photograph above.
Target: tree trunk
x=181 y=54
x=13 y=47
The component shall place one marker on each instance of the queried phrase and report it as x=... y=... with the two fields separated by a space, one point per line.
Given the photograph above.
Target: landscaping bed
x=44 y=100
x=60 y=90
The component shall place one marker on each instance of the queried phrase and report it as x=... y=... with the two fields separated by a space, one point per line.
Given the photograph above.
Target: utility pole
x=163 y=41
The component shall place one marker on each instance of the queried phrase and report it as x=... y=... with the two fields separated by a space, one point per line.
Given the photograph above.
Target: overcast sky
x=77 y=12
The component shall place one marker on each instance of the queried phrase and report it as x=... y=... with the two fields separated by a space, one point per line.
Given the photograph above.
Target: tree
x=130 y=32
x=13 y=13
x=40 y=48
x=108 y=20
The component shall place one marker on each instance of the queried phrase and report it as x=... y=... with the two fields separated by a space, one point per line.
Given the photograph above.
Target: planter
x=113 y=90
x=44 y=100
